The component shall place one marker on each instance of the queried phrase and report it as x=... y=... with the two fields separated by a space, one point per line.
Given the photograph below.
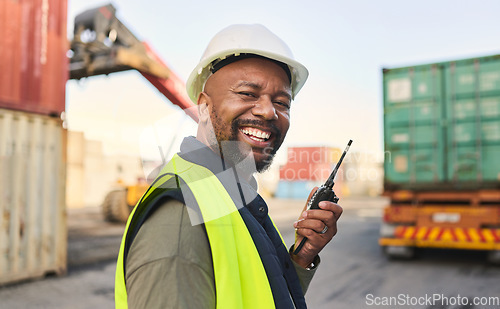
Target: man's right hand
x=310 y=224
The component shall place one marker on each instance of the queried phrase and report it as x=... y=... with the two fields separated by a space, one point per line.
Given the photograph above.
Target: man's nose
x=265 y=109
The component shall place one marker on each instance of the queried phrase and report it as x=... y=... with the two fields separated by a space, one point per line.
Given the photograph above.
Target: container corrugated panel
x=33 y=231
x=442 y=125
x=33 y=62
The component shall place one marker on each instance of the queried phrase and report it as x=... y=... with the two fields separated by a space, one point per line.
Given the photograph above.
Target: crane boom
x=102 y=44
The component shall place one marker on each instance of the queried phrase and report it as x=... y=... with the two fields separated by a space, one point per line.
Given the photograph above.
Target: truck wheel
x=399 y=252
x=115 y=208
x=494 y=257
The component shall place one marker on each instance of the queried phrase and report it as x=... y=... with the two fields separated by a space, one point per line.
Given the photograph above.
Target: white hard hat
x=245 y=39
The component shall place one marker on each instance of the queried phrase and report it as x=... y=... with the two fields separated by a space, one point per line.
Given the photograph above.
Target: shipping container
x=309 y=163
x=300 y=189
x=33 y=61
x=442 y=125
x=306 y=171
x=295 y=189
x=442 y=150
x=33 y=231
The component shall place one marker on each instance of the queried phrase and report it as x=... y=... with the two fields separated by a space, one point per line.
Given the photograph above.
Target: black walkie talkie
x=324 y=193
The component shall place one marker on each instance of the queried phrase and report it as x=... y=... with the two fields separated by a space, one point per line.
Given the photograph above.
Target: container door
x=412 y=125
x=473 y=115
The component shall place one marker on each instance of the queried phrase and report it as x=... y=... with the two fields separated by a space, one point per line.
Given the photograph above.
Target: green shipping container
x=442 y=125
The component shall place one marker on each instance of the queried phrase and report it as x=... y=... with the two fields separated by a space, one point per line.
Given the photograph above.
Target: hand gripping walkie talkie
x=324 y=193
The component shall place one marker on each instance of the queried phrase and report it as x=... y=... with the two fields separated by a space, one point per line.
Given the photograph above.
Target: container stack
x=442 y=144
x=34 y=70
x=442 y=125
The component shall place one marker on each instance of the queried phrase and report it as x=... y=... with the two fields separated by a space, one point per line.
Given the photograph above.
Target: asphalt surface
x=353 y=272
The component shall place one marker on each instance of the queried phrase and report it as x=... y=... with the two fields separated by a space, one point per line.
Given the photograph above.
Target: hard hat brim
x=201 y=72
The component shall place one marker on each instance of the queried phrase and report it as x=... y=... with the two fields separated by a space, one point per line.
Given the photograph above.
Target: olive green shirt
x=169 y=264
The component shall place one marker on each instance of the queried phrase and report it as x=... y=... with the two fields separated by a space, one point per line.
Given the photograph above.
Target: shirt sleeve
x=169 y=264
x=306 y=275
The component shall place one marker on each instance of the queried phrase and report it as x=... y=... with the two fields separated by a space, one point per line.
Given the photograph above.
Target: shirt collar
x=195 y=151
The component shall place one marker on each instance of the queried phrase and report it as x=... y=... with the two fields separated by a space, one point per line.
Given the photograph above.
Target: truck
x=102 y=44
x=441 y=157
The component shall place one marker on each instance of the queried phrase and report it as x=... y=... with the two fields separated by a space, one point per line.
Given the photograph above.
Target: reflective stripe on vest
x=238 y=269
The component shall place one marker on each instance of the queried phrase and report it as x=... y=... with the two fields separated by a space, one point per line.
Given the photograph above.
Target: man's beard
x=236 y=151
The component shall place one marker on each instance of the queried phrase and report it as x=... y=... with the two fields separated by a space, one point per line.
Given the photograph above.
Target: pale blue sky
x=344 y=44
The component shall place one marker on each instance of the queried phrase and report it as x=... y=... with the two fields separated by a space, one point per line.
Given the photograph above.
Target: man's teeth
x=256 y=133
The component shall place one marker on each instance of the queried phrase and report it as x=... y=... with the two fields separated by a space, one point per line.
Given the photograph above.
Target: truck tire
x=399 y=252
x=494 y=257
x=115 y=207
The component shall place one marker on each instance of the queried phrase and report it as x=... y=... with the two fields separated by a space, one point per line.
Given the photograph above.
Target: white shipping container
x=33 y=231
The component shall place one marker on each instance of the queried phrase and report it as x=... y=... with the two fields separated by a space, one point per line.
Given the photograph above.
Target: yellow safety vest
x=238 y=269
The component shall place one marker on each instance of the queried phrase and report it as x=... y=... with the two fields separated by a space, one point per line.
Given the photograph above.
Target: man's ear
x=203 y=107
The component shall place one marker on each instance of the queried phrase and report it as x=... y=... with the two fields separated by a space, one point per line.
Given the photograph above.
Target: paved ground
x=353 y=273
x=90 y=238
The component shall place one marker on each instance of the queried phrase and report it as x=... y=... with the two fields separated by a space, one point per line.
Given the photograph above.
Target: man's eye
x=284 y=104
x=247 y=94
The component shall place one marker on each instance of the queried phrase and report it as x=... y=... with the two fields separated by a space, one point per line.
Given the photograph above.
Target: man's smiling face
x=249 y=102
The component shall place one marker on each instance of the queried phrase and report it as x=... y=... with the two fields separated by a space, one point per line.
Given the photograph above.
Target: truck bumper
x=443 y=237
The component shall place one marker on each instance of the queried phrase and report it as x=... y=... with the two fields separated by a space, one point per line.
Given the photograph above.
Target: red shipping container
x=309 y=163
x=33 y=62
x=294 y=171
